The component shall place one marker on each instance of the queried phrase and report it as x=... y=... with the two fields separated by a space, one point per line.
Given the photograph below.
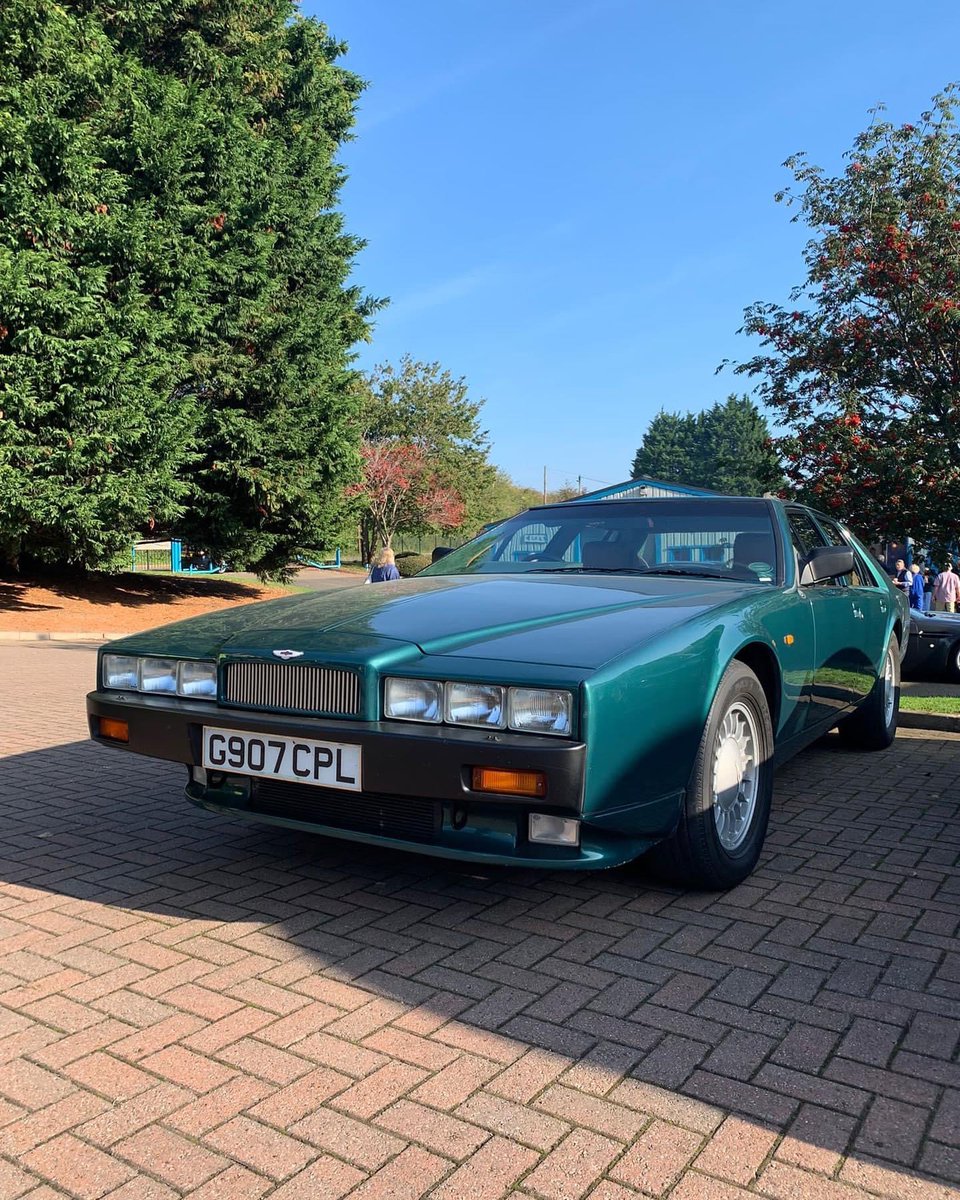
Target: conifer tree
x=175 y=322
x=726 y=448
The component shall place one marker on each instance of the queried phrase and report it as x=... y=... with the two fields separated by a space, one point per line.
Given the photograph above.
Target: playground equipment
x=322 y=566
x=171 y=556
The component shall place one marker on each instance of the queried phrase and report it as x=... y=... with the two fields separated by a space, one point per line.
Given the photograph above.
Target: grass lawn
x=931 y=704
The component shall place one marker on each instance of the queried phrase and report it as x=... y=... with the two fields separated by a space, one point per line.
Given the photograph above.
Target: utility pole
x=579 y=485
x=544 y=485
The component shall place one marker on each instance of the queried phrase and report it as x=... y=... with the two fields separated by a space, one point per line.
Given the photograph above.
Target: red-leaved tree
x=862 y=368
x=400 y=490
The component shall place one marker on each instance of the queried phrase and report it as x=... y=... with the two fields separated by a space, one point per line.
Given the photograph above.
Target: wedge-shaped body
x=572 y=688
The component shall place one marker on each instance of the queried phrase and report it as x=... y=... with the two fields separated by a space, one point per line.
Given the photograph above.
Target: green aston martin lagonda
x=577 y=686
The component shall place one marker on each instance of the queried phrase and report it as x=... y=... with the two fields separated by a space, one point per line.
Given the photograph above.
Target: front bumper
x=416 y=792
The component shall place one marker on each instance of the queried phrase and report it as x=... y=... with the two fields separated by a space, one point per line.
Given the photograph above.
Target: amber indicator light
x=509 y=783
x=788 y=640
x=116 y=731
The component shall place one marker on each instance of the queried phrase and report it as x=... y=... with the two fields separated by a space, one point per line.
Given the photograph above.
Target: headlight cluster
x=162 y=676
x=479 y=705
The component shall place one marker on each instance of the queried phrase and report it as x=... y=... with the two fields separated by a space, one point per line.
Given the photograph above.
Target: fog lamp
x=554 y=831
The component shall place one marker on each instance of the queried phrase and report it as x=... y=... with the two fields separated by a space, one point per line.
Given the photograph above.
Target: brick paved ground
x=191 y=1006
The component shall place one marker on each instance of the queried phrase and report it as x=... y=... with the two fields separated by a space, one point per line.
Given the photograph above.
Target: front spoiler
x=400 y=761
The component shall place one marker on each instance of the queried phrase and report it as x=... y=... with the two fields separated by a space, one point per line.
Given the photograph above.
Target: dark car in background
x=933 y=649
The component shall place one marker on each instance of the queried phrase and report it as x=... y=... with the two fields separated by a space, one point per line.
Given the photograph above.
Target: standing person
x=386 y=568
x=915 y=592
x=928 y=577
x=946 y=589
x=901 y=575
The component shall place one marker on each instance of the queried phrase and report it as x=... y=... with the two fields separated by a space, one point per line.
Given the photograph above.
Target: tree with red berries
x=863 y=367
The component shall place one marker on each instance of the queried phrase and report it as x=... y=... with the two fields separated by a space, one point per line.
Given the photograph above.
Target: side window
x=859 y=576
x=804 y=534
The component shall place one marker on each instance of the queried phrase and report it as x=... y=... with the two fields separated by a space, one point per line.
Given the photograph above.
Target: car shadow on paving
x=168 y=974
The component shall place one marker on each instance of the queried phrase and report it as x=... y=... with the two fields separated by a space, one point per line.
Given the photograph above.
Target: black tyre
x=724 y=821
x=953 y=663
x=874 y=725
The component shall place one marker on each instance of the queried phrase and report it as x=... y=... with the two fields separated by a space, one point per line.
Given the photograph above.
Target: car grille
x=293 y=688
x=386 y=816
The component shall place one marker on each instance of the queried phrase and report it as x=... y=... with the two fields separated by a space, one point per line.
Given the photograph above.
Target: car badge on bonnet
x=285 y=654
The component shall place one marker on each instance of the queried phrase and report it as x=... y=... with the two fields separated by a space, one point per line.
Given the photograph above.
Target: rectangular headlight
x=198 y=679
x=477 y=704
x=120 y=671
x=413 y=700
x=540 y=710
x=158 y=675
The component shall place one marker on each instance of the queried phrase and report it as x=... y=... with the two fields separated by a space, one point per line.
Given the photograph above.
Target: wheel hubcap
x=736 y=775
x=889 y=688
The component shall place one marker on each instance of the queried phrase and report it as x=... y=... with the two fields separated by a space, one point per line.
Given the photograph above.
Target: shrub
x=410 y=564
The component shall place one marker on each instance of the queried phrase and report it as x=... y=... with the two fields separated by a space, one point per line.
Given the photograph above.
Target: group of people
x=928 y=588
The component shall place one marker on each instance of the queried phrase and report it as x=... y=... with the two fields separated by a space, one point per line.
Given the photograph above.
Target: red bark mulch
x=123 y=603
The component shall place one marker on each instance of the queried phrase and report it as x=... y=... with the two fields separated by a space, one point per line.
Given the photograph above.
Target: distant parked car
x=933 y=651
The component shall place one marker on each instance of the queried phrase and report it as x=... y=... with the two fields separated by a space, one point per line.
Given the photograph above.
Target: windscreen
x=717 y=539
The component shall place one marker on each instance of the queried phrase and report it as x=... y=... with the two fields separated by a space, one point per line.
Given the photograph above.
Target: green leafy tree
x=174 y=314
x=862 y=366
x=422 y=406
x=726 y=448
x=504 y=498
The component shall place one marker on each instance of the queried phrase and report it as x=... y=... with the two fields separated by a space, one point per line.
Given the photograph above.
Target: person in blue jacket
x=386 y=568
x=915 y=589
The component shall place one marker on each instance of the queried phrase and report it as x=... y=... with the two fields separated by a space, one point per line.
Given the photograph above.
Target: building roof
x=638 y=489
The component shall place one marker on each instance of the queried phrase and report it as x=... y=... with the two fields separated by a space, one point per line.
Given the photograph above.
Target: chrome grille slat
x=294 y=688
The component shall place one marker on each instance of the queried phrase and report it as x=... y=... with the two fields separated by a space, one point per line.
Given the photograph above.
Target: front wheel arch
x=694 y=855
x=762 y=661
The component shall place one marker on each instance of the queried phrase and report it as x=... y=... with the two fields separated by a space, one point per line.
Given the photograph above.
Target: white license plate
x=298 y=760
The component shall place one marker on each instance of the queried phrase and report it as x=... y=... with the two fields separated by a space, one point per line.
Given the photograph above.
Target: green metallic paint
x=643 y=656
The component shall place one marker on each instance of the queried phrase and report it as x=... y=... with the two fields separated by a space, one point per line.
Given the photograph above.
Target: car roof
x=617 y=504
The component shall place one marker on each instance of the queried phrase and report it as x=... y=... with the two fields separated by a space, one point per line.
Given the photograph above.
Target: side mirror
x=826 y=562
x=440 y=552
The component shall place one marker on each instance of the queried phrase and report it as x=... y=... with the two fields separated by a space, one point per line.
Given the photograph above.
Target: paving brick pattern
x=191 y=1006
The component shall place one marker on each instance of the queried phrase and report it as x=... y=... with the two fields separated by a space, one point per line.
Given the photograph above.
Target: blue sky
x=570 y=202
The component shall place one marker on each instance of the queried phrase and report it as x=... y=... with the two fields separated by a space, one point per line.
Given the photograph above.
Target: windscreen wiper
x=693 y=573
x=588 y=571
